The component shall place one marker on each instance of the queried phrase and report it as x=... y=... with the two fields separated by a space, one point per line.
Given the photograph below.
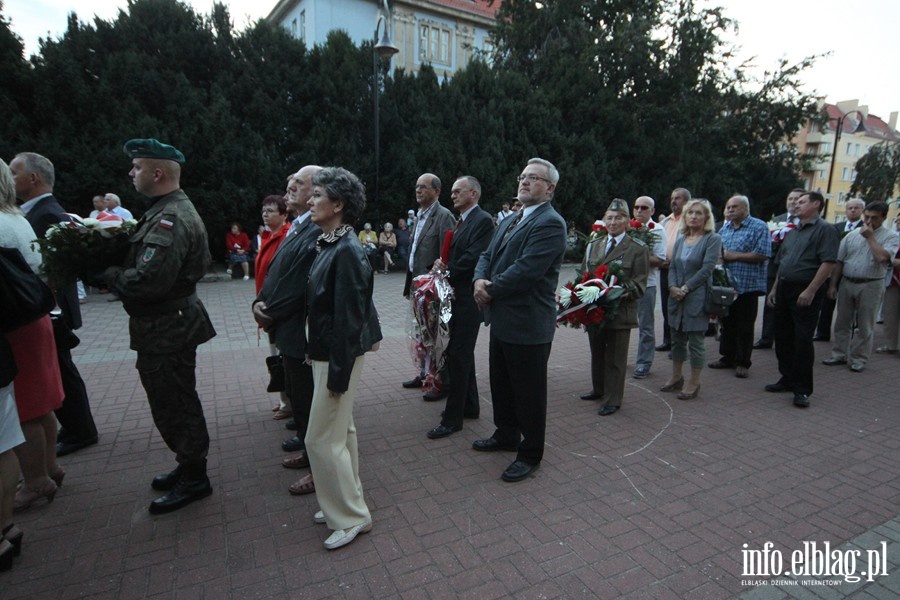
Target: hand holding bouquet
x=77 y=247
x=591 y=301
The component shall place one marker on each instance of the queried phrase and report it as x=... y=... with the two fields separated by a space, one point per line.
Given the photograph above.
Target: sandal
x=305 y=485
x=301 y=461
x=282 y=414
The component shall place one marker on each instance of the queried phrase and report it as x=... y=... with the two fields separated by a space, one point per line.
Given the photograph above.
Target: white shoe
x=228 y=271
x=342 y=537
x=319 y=518
x=246 y=278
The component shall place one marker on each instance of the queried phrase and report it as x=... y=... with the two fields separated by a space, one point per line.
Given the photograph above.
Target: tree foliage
x=878 y=173
x=627 y=97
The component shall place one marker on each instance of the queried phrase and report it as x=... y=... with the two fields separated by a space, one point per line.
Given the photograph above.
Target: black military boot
x=166 y=481
x=187 y=489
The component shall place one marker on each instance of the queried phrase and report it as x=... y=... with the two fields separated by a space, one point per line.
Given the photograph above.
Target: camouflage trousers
x=171 y=386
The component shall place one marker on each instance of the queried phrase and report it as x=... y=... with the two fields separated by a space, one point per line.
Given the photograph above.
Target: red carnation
x=601 y=271
x=634 y=224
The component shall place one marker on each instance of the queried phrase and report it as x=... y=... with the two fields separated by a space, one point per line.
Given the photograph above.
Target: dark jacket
x=524 y=271
x=42 y=215
x=634 y=257
x=284 y=291
x=342 y=320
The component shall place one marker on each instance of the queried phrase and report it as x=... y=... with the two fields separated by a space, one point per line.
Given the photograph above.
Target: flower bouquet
x=428 y=328
x=74 y=248
x=591 y=301
x=636 y=230
x=779 y=229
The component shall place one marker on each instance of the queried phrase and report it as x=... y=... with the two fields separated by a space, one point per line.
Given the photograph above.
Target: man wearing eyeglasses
x=515 y=283
x=644 y=207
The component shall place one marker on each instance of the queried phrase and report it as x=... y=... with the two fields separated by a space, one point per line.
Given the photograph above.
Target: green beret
x=151 y=148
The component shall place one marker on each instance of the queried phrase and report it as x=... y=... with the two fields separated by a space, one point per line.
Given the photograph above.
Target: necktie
x=512 y=225
x=612 y=246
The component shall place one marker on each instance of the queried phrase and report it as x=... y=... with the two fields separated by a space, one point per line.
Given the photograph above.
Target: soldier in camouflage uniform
x=169 y=253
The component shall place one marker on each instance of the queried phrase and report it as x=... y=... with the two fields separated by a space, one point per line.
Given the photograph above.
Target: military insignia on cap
x=618 y=205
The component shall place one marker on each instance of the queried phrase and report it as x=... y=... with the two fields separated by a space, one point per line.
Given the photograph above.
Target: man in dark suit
x=609 y=345
x=853 y=209
x=470 y=238
x=34 y=177
x=280 y=308
x=515 y=286
x=767 y=335
x=433 y=221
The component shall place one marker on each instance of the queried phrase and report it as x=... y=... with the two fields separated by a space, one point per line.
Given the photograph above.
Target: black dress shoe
x=777 y=387
x=591 y=396
x=442 y=431
x=831 y=362
x=518 y=471
x=433 y=395
x=295 y=444
x=291 y=425
x=664 y=347
x=801 y=400
x=413 y=383
x=70 y=446
x=607 y=410
x=762 y=345
x=185 y=492
x=492 y=445
x=466 y=415
x=166 y=481
x=822 y=338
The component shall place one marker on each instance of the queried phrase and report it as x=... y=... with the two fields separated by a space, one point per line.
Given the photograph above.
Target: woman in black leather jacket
x=342 y=327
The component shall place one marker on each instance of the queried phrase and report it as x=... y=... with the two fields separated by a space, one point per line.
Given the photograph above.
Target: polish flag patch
x=166 y=224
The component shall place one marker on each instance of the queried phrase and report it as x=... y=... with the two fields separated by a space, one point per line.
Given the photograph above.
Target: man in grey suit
x=280 y=308
x=433 y=221
x=515 y=286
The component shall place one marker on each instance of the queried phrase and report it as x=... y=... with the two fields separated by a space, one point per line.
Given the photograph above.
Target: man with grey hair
x=279 y=308
x=643 y=210
x=433 y=221
x=746 y=248
x=515 y=287
x=114 y=206
x=34 y=177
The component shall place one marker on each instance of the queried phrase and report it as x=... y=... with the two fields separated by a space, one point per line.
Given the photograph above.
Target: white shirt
x=420 y=224
x=121 y=212
x=27 y=206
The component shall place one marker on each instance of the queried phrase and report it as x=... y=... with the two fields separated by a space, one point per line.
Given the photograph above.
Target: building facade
x=859 y=132
x=443 y=33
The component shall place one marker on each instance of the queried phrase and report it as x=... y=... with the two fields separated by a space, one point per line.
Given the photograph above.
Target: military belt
x=160 y=308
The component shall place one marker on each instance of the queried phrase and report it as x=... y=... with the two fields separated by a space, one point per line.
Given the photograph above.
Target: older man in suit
x=609 y=345
x=433 y=221
x=470 y=238
x=34 y=177
x=280 y=308
x=515 y=286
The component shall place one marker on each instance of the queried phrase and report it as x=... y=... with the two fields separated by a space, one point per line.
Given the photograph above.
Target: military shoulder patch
x=148 y=254
x=166 y=223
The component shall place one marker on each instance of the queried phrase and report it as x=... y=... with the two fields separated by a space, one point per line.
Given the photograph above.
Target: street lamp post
x=837 y=140
x=381 y=49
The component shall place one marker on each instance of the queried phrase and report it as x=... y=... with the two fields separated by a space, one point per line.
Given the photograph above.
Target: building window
x=826 y=147
x=294 y=28
x=434 y=44
x=848 y=174
x=822 y=174
x=842 y=198
x=303 y=26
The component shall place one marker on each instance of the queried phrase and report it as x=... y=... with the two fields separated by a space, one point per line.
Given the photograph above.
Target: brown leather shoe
x=305 y=485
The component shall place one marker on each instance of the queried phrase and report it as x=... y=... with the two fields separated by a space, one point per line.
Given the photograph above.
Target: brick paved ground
x=653 y=502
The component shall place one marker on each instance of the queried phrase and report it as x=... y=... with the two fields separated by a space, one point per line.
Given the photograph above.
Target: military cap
x=618 y=205
x=151 y=148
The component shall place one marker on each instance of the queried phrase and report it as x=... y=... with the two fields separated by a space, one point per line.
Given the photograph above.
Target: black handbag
x=24 y=297
x=275 y=364
x=721 y=294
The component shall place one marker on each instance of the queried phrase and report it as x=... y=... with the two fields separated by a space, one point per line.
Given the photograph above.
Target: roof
x=482 y=8
x=873 y=125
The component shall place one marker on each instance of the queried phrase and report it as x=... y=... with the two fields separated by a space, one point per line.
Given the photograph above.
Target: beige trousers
x=331 y=447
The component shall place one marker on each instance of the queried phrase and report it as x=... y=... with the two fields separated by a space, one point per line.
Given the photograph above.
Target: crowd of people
x=314 y=279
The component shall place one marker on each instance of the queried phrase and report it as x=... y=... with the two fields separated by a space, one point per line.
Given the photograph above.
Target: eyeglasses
x=531 y=178
x=639 y=207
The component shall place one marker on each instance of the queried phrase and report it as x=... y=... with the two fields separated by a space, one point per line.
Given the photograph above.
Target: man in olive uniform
x=169 y=253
